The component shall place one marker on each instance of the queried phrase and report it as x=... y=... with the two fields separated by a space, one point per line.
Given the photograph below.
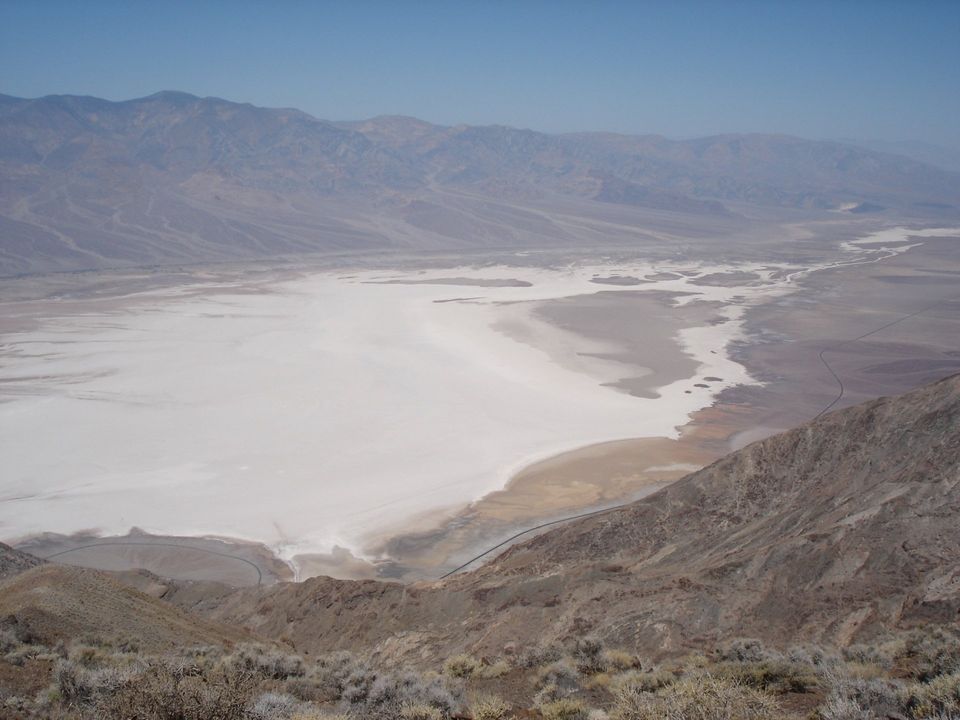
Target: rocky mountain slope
x=13 y=562
x=51 y=603
x=833 y=532
x=170 y=178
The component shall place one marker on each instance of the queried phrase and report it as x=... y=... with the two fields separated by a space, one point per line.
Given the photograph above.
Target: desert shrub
x=642 y=682
x=746 y=650
x=488 y=707
x=541 y=654
x=273 y=706
x=8 y=640
x=688 y=663
x=329 y=677
x=88 y=655
x=306 y=689
x=697 y=698
x=599 y=680
x=864 y=671
x=266 y=662
x=385 y=695
x=420 y=711
x=852 y=698
x=882 y=654
x=938 y=698
x=203 y=655
x=812 y=655
x=77 y=685
x=619 y=660
x=180 y=691
x=563 y=709
x=932 y=652
x=841 y=708
x=588 y=655
x=780 y=676
x=25 y=652
x=356 y=684
x=461 y=666
x=494 y=669
x=925 y=653
x=561 y=675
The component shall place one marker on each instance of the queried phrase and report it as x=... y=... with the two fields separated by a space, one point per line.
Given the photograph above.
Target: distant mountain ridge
x=171 y=177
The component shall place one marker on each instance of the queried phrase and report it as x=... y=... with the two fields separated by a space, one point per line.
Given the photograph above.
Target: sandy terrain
x=321 y=414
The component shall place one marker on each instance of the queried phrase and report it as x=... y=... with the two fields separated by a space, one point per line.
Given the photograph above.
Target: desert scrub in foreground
x=564 y=709
x=267 y=662
x=588 y=655
x=777 y=676
x=541 y=654
x=488 y=707
x=461 y=666
x=697 y=698
x=641 y=682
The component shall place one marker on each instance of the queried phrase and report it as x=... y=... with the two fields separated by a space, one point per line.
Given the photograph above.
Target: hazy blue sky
x=868 y=69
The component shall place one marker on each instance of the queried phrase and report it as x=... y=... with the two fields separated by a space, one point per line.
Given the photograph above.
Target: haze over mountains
x=172 y=178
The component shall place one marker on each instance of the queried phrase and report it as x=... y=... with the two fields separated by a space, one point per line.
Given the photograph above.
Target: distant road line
x=530 y=530
x=840 y=388
x=161 y=544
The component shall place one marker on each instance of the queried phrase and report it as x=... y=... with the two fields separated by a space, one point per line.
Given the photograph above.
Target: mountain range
x=173 y=178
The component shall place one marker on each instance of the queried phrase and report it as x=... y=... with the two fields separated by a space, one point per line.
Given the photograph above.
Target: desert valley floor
x=393 y=417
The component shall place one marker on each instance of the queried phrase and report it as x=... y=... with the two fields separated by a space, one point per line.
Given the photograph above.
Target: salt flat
x=311 y=413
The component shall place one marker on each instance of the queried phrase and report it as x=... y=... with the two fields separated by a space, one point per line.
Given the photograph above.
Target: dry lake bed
x=317 y=415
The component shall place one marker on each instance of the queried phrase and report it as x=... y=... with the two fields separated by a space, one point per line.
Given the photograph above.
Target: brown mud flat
x=228 y=561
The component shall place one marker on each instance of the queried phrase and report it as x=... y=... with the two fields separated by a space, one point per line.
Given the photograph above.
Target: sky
x=868 y=69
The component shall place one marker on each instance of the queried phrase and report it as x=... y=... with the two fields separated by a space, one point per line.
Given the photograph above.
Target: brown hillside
x=13 y=561
x=53 y=602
